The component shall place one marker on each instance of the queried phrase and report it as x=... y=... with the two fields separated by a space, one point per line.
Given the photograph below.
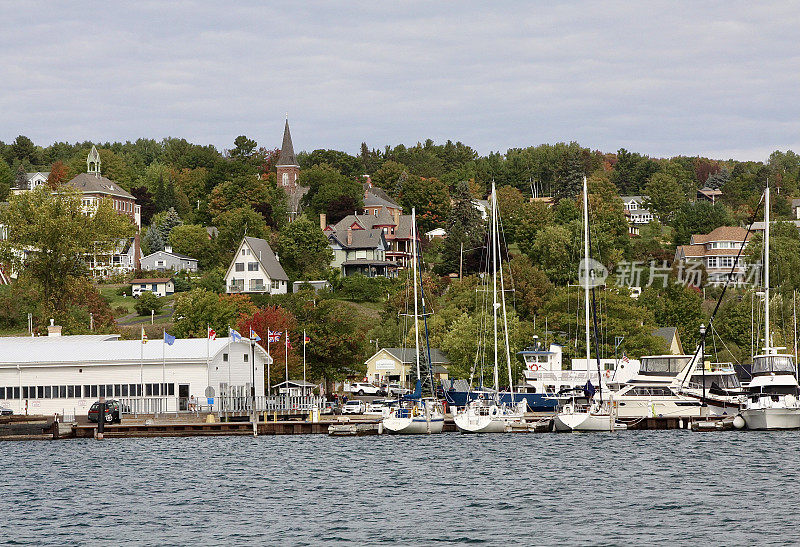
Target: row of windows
x=251 y=266
x=723 y=262
x=86 y=391
x=724 y=245
x=225 y=357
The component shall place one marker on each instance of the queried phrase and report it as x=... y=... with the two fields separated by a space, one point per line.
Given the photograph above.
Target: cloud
x=659 y=78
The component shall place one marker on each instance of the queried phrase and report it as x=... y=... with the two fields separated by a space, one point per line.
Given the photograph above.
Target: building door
x=183 y=396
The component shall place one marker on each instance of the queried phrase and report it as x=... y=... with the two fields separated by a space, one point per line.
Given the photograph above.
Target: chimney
x=349 y=236
x=323 y=221
x=168 y=248
x=396 y=215
x=53 y=329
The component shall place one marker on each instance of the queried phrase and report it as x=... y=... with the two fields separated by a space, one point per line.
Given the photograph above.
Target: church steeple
x=287 y=167
x=287 y=156
x=93 y=162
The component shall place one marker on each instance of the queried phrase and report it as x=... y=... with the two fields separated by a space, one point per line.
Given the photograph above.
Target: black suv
x=112 y=412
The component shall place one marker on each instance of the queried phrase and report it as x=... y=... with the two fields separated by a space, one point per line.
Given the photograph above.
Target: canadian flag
x=212 y=334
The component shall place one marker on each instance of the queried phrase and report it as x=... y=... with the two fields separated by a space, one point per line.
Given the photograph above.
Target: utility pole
x=461 y=262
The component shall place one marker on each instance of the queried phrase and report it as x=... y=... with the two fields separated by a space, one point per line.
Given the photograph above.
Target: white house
x=159 y=286
x=34 y=180
x=169 y=260
x=255 y=269
x=399 y=364
x=635 y=210
x=66 y=374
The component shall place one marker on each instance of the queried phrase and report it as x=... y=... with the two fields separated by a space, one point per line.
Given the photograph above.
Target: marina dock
x=48 y=428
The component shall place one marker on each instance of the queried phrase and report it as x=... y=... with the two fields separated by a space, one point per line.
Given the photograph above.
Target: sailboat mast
x=414 y=266
x=767 y=333
x=586 y=266
x=494 y=282
x=505 y=315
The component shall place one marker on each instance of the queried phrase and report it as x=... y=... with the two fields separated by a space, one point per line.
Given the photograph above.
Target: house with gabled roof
x=399 y=365
x=255 y=269
x=169 y=260
x=359 y=247
x=716 y=252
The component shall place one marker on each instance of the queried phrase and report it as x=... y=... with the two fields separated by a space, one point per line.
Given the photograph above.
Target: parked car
x=354 y=406
x=363 y=388
x=5 y=411
x=330 y=407
x=112 y=412
x=380 y=407
x=393 y=389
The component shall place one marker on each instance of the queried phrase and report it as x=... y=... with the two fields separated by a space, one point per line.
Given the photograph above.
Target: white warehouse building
x=66 y=374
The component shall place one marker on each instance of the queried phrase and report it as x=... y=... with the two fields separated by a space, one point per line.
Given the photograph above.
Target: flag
x=274 y=336
x=212 y=334
x=168 y=338
x=288 y=342
x=625 y=358
x=144 y=336
x=306 y=338
x=235 y=335
x=589 y=389
x=253 y=336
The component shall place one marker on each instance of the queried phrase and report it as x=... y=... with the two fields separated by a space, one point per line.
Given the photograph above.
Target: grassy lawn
x=109 y=292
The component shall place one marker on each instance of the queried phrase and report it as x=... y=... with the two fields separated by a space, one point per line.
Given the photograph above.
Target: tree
x=144 y=199
x=665 y=196
x=6 y=179
x=465 y=230
x=699 y=217
x=431 y=199
x=569 y=175
x=199 y=309
x=389 y=176
x=193 y=240
x=513 y=209
x=234 y=224
x=57 y=235
x=554 y=251
x=531 y=286
x=676 y=305
x=327 y=185
x=337 y=343
x=57 y=176
x=784 y=256
x=21 y=178
x=23 y=150
x=148 y=303
x=243 y=148
x=275 y=319
x=261 y=195
x=304 y=250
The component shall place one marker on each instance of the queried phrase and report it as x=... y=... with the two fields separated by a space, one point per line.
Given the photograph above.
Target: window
x=94 y=391
x=62 y=391
x=124 y=392
x=102 y=391
x=3 y=393
x=240 y=266
x=170 y=389
x=712 y=262
x=252 y=266
x=224 y=357
x=39 y=392
x=246 y=357
x=47 y=392
x=285 y=179
x=276 y=285
x=87 y=391
x=70 y=391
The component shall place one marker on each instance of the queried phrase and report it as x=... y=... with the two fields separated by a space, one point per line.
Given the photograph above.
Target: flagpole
x=269 y=383
x=286 y=354
x=141 y=366
x=163 y=361
x=229 y=360
x=208 y=355
x=304 y=361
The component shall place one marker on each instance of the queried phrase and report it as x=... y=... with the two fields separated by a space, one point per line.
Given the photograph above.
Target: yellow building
x=399 y=365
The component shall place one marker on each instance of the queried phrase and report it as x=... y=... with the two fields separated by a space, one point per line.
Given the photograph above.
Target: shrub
x=359 y=288
x=146 y=302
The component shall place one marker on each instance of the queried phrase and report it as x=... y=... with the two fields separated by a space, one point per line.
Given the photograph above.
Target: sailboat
x=489 y=414
x=582 y=412
x=772 y=402
x=414 y=414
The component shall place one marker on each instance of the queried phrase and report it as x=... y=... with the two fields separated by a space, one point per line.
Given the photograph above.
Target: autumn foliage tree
x=57 y=176
x=276 y=319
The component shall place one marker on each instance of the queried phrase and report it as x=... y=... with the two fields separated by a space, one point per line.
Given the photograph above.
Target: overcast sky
x=720 y=79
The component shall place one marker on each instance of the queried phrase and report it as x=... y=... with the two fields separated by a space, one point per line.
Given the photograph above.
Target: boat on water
x=415 y=414
x=597 y=414
x=580 y=411
x=491 y=415
x=772 y=401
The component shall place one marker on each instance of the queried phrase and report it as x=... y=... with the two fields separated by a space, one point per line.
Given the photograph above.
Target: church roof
x=89 y=183
x=287 y=156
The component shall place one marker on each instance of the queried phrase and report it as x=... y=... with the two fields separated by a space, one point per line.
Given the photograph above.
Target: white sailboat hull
x=583 y=421
x=772 y=418
x=479 y=424
x=419 y=425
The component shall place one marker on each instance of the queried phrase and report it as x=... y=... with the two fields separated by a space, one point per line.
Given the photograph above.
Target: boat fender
x=494 y=411
x=738 y=422
x=567 y=409
x=415 y=412
x=608 y=374
x=791 y=400
x=534 y=367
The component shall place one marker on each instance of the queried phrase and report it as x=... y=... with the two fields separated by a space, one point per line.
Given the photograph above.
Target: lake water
x=635 y=487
